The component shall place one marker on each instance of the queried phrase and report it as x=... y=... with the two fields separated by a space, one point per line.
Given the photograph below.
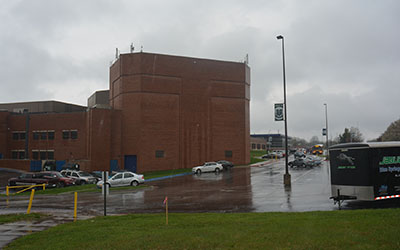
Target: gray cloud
x=344 y=53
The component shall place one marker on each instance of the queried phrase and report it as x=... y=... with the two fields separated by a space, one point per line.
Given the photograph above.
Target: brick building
x=161 y=112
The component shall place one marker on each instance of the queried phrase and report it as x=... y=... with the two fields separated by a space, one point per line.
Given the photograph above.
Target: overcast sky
x=345 y=53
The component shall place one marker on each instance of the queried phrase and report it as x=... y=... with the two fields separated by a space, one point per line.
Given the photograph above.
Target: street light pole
x=286 y=176
x=326 y=126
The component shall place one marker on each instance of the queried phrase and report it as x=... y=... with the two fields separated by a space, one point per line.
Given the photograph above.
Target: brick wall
x=194 y=110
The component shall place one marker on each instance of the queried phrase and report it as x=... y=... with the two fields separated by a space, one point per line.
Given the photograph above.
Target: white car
x=123 y=179
x=80 y=177
x=208 y=167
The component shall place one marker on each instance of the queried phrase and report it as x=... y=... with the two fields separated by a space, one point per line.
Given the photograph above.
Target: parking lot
x=241 y=189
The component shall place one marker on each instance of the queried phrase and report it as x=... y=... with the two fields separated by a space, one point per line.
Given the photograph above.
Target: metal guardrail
x=27 y=187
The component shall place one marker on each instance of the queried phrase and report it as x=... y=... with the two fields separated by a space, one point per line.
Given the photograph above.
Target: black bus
x=365 y=171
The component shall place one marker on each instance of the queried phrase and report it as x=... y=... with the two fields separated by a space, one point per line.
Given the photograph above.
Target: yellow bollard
x=30 y=201
x=44 y=187
x=7 y=190
x=75 y=205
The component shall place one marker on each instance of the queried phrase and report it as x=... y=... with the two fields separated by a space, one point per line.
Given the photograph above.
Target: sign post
x=105 y=190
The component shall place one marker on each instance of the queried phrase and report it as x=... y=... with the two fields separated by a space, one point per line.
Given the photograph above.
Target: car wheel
x=303 y=165
x=217 y=170
x=61 y=184
x=198 y=171
x=83 y=182
x=134 y=183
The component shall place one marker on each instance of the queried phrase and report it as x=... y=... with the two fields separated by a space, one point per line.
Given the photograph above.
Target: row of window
x=258 y=146
x=36 y=154
x=45 y=135
x=49 y=154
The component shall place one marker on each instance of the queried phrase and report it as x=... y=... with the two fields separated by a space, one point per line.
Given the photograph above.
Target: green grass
x=358 y=229
x=8 y=218
x=256 y=153
x=156 y=174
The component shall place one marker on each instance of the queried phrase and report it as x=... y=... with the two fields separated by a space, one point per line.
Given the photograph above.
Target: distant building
x=161 y=112
x=269 y=141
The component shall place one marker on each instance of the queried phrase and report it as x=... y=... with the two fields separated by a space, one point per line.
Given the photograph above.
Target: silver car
x=80 y=177
x=123 y=179
x=208 y=167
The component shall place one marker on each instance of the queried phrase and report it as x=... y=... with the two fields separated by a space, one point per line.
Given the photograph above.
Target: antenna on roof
x=141 y=48
x=246 y=60
x=116 y=53
x=132 y=48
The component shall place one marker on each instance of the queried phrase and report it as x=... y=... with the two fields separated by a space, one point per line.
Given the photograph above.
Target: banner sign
x=278 y=111
x=324 y=131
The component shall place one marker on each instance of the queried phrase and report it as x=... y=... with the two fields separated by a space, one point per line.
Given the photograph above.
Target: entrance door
x=130 y=163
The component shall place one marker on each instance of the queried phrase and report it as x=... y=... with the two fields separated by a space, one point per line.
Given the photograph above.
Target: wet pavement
x=242 y=189
x=12 y=231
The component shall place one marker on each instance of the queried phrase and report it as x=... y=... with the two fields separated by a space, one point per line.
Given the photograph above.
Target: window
x=263 y=146
x=128 y=175
x=43 y=155
x=159 y=153
x=14 y=154
x=21 y=154
x=50 y=135
x=258 y=146
x=118 y=176
x=228 y=153
x=22 y=135
x=253 y=146
x=74 y=134
x=65 y=134
x=50 y=155
x=35 y=154
x=43 y=135
x=15 y=135
x=35 y=135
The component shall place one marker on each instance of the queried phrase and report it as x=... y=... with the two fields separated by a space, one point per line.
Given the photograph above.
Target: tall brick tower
x=177 y=112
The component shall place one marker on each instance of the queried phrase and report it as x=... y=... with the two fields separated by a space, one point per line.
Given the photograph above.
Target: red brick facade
x=167 y=112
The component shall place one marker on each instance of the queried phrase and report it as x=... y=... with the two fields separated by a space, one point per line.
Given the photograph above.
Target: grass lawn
x=7 y=218
x=358 y=229
x=156 y=174
x=256 y=153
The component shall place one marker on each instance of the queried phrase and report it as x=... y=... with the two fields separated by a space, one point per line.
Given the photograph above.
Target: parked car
x=97 y=174
x=32 y=179
x=208 y=167
x=280 y=153
x=226 y=164
x=62 y=181
x=79 y=176
x=315 y=159
x=123 y=179
x=301 y=162
x=271 y=155
x=299 y=154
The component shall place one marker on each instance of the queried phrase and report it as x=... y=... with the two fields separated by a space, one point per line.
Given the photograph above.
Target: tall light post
x=326 y=126
x=286 y=176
